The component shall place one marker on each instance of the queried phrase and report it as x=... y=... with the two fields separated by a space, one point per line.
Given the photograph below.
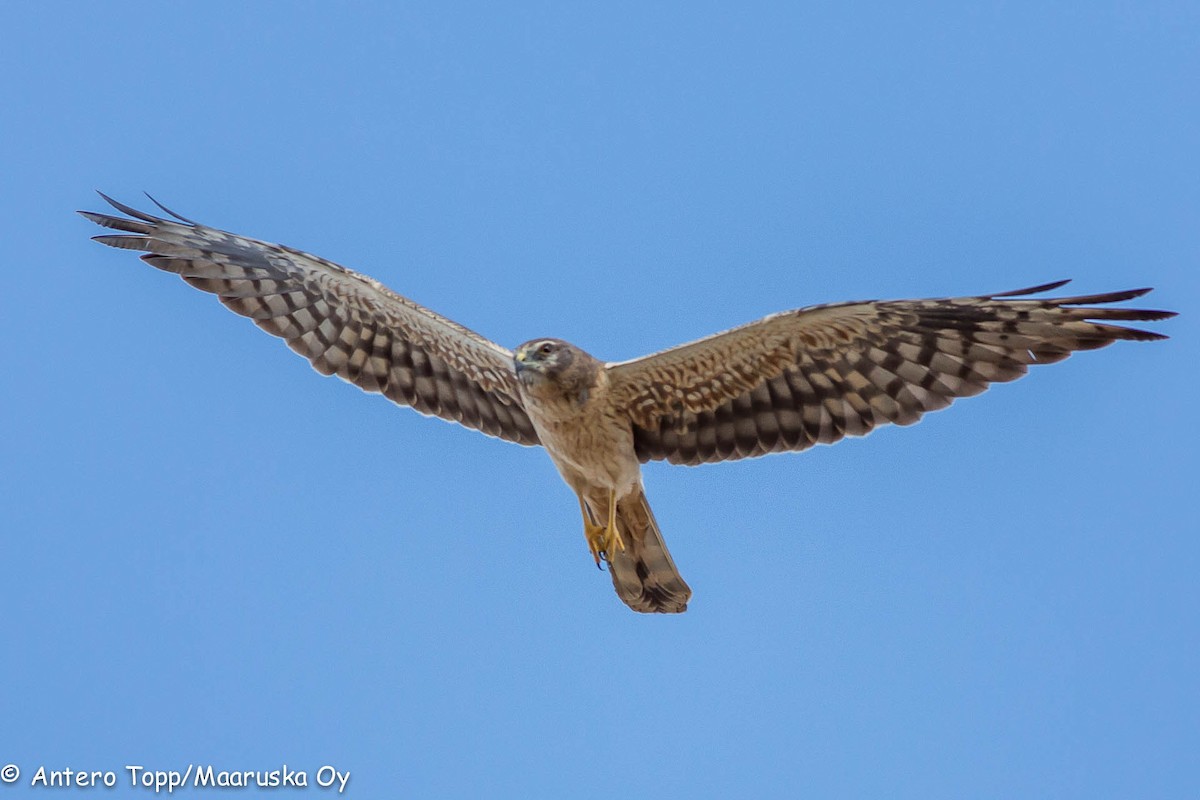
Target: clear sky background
x=212 y=555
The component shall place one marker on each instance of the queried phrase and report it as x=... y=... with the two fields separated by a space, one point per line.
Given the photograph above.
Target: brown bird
x=785 y=382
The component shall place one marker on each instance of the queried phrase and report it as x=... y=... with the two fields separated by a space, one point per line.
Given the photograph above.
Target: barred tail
x=643 y=574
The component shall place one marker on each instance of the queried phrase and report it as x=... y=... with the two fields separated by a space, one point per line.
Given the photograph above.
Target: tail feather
x=643 y=574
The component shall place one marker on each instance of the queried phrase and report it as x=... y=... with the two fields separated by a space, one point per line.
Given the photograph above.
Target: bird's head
x=546 y=358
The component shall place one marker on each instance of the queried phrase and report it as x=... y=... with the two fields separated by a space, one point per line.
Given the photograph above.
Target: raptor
x=785 y=382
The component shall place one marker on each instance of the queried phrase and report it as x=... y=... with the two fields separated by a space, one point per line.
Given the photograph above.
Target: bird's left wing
x=817 y=374
x=344 y=323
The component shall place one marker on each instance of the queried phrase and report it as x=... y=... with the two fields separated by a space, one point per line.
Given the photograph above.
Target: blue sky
x=212 y=555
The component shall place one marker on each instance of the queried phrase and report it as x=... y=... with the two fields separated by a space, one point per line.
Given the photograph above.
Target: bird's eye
x=546 y=349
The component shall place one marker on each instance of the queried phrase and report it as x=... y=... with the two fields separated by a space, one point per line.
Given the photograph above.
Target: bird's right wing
x=345 y=323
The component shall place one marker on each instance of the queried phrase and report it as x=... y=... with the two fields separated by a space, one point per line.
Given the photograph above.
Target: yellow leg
x=612 y=535
x=601 y=538
x=592 y=532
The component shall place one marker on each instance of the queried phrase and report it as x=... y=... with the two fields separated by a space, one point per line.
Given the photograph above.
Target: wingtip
x=117 y=204
x=129 y=210
x=1045 y=287
x=179 y=217
x=122 y=242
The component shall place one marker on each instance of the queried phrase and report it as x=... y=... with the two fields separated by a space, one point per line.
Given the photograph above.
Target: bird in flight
x=785 y=382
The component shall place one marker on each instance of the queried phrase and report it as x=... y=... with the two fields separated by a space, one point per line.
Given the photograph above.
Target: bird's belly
x=592 y=456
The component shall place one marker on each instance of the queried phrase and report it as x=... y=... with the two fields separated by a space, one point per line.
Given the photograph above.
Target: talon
x=613 y=535
x=595 y=540
x=602 y=539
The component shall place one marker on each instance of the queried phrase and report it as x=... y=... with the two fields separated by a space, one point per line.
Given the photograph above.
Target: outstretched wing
x=345 y=323
x=814 y=375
